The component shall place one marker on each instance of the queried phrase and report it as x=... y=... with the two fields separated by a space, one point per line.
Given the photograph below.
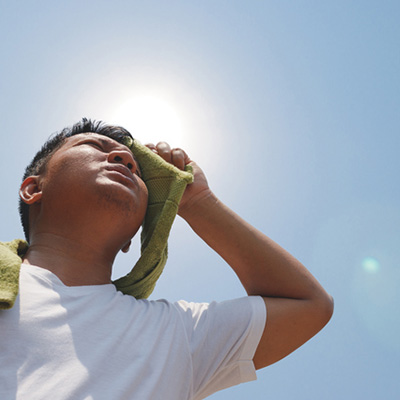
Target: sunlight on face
x=150 y=119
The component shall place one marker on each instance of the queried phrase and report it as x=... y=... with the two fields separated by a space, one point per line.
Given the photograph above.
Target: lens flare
x=370 y=265
x=360 y=251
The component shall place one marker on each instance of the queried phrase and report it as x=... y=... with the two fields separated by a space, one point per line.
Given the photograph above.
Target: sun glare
x=150 y=119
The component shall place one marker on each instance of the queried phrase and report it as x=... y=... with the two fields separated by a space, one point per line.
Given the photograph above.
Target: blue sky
x=291 y=108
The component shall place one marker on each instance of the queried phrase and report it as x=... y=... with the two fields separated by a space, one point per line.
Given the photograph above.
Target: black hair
x=38 y=164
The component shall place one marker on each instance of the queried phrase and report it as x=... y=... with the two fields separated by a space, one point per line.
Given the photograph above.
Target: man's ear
x=30 y=191
x=126 y=246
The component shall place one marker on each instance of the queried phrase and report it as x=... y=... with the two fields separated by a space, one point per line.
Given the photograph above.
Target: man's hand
x=194 y=192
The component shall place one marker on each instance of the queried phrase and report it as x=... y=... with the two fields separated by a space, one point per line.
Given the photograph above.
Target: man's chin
x=117 y=202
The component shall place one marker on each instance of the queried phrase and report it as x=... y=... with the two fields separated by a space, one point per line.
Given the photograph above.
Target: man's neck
x=74 y=262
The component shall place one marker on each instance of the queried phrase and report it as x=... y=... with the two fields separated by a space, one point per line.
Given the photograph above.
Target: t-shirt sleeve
x=222 y=339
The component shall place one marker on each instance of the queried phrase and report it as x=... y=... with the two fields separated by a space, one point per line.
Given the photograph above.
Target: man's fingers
x=164 y=151
x=179 y=158
x=151 y=146
x=176 y=156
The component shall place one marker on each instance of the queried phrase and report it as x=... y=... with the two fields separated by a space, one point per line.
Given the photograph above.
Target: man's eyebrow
x=109 y=142
x=112 y=143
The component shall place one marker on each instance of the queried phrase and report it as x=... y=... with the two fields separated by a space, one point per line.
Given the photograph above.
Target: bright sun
x=150 y=119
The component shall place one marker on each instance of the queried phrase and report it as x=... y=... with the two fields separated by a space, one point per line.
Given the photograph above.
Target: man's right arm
x=298 y=307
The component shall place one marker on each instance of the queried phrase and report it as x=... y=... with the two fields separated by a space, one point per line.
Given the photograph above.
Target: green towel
x=165 y=184
x=10 y=264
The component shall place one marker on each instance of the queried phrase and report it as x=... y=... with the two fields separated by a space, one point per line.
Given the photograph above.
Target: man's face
x=94 y=172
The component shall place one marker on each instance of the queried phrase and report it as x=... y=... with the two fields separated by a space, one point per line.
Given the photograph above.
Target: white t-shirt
x=93 y=342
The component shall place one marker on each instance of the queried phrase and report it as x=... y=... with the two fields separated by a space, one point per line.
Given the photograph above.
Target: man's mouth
x=123 y=172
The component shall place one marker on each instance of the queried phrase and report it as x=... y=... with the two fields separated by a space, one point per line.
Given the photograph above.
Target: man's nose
x=123 y=157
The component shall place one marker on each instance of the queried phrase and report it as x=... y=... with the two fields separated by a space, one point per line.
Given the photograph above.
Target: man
x=72 y=335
